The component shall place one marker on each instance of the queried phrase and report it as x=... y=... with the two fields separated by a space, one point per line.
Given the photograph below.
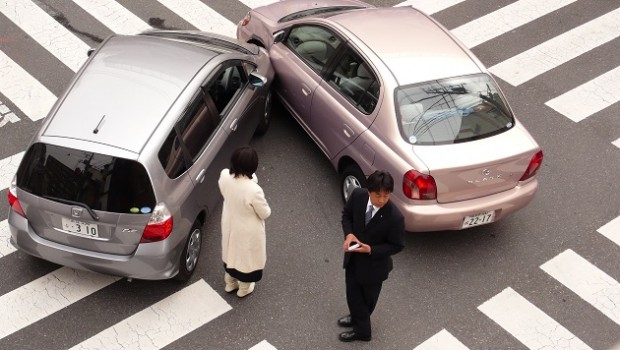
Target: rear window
x=99 y=181
x=452 y=110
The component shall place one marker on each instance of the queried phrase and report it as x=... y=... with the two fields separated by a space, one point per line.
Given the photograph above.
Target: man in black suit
x=373 y=224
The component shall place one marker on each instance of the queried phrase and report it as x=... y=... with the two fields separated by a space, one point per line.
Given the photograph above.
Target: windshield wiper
x=79 y=204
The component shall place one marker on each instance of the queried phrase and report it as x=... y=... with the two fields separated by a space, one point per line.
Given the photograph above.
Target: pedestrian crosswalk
x=195 y=305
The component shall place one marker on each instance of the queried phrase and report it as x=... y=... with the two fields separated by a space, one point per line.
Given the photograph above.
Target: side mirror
x=278 y=36
x=257 y=80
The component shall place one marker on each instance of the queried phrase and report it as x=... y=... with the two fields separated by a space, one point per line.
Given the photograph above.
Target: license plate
x=479 y=219
x=80 y=228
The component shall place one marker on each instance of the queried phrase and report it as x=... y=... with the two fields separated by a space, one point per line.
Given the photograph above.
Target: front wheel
x=265 y=119
x=191 y=252
x=352 y=177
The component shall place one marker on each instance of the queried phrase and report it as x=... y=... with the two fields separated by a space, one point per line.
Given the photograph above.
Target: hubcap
x=348 y=185
x=193 y=250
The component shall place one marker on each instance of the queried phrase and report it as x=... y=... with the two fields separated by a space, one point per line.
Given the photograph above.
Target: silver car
x=390 y=88
x=122 y=173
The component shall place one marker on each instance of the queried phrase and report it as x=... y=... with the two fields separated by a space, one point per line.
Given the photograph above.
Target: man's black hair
x=379 y=181
x=244 y=162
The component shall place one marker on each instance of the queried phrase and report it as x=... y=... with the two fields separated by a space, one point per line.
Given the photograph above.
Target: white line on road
x=8 y=168
x=442 y=341
x=6 y=248
x=505 y=19
x=589 y=98
x=42 y=297
x=264 y=345
x=114 y=16
x=430 y=7
x=611 y=229
x=50 y=34
x=257 y=3
x=201 y=16
x=531 y=326
x=163 y=322
x=30 y=96
x=586 y=280
x=561 y=49
x=616 y=143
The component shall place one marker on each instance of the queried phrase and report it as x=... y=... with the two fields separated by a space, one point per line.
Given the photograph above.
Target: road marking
x=589 y=98
x=586 y=280
x=6 y=116
x=527 y=323
x=6 y=247
x=201 y=16
x=442 y=341
x=611 y=229
x=8 y=168
x=264 y=345
x=257 y=3
x=30 y=96
x=42 y=297
x=430 y=7
x=114 y=16
x=554 y=52
x=505 y=19
x=163 y=322
x=50 y=34
x=616 y=143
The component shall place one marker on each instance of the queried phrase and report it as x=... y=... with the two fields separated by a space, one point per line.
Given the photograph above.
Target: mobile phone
x=353 y=245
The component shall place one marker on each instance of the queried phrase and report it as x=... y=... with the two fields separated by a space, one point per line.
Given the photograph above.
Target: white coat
x=244 y=211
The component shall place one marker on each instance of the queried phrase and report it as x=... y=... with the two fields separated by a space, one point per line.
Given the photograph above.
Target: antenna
x=96 y=130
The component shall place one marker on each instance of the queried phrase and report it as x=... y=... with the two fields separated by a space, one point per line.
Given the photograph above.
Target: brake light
x=13 y=201
x=246 y=20
x=419 y=186
x=535 y=164
x=159 y=226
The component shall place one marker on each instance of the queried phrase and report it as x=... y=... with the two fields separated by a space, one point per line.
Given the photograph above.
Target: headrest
x=362 y=72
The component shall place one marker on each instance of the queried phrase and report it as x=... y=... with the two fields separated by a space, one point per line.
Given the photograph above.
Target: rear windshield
x=99 y=181
x=452 y=110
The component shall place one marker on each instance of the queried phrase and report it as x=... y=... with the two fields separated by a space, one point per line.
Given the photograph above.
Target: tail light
x=159 y=226
x=13 y=201
x=246 y=20
x=419 y=186
x=532 y=169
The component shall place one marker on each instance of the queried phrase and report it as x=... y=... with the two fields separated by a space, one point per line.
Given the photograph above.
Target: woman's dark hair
x=244 y=162
x=379 y=181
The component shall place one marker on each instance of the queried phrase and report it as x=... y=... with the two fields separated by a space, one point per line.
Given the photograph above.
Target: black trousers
x=361 y=299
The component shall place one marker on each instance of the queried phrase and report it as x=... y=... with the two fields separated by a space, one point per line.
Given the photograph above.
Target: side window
x=315 y=45
x=355 y=80
x=227 y=86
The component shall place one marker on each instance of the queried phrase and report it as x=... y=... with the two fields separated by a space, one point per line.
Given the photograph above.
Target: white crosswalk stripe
x=163 y=322
x=6 y=116
x=257 y=3
x=42 y=297
x=8 y=167
x=616 y=143
x=430 y=7
x=531 y=326
x=589 y=98
x=201 y=16
x=587 y=281
x=114 y=16
x=554 y=52
x=6 y=247
x=264 y=345
x=442 y=341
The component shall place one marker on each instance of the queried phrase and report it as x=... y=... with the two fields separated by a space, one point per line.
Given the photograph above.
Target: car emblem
x=76 y=212
x=486 y=172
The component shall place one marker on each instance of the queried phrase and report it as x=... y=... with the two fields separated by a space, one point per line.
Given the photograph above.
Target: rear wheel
x=265 y=119
x=191 y=252
x=351 y=178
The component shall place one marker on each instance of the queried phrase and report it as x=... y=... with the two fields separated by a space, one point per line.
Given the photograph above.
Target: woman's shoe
x=245 y=288
x=232 y=284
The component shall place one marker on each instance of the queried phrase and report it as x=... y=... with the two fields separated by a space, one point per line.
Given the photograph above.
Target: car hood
x=280 y=9
x=478 y=168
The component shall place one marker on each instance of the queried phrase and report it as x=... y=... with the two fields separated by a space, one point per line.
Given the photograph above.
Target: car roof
x=412 y=45
x=126 y=89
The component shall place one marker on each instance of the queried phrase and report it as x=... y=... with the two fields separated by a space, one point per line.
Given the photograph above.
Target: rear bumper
x=449 y=216
x=150 y=261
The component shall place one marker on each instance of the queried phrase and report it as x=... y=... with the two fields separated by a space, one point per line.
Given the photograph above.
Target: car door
x=344 y=104
x=298 y=61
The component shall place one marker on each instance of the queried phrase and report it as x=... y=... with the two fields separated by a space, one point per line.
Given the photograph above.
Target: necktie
x=368 y=214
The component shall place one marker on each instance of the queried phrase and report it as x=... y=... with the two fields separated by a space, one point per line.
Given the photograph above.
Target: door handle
x=201 y=176
x=233 y=125
x=305 y=92
x=348 y=132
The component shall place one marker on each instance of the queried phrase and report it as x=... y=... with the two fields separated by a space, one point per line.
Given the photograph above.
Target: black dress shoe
x=351 y=336
x=345 y=321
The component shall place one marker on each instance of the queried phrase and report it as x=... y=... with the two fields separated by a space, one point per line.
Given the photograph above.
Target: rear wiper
x=79 y=204
x=494 y=103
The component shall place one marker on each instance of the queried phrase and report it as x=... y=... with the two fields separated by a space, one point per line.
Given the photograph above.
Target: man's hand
x=351 y=239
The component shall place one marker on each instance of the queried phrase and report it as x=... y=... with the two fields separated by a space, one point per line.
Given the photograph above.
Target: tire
x=265 y=119
x=351 y=178
x=191 y=252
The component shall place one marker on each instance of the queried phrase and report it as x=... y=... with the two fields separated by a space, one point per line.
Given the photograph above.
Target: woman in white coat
x=244 y=248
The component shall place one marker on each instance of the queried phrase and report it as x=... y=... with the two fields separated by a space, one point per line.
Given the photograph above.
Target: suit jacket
x=385 y=233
